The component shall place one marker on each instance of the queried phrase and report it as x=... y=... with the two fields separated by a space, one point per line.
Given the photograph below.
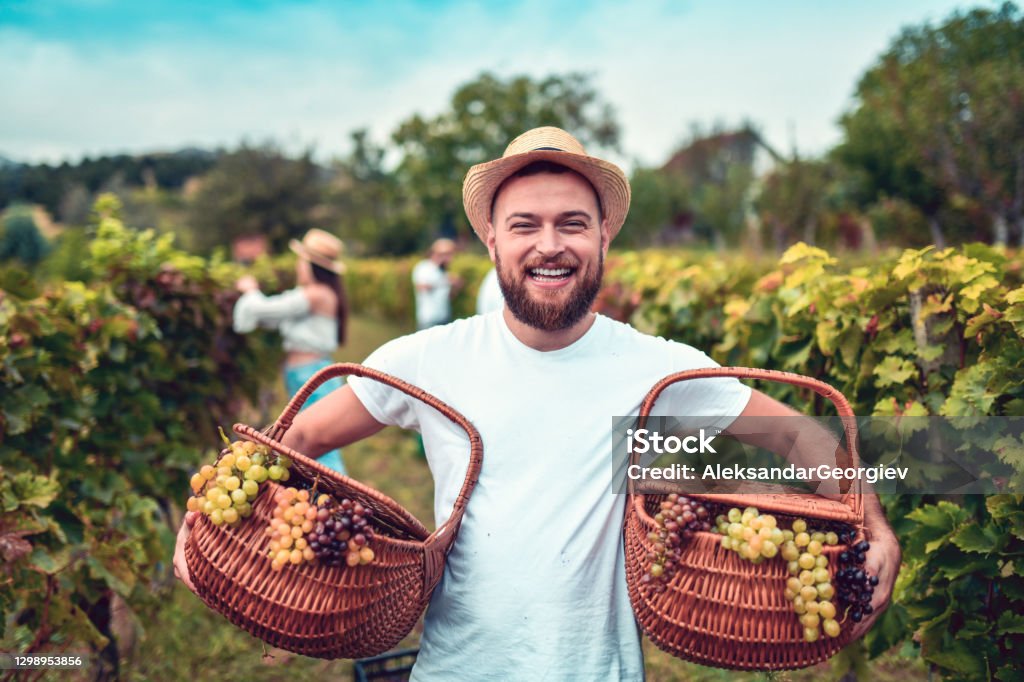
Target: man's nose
x=549 y=242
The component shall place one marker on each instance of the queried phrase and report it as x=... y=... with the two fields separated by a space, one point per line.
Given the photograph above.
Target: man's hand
x=882 y=560
x=180 y=566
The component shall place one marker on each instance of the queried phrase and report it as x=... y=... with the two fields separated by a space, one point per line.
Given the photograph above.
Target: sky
x=90 y=77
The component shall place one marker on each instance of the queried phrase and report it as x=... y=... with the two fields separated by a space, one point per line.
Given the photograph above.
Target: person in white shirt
x=534 y=587
x=489 y=296
x=433 y=285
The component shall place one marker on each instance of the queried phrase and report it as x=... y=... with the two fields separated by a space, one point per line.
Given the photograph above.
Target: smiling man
x=535 y=588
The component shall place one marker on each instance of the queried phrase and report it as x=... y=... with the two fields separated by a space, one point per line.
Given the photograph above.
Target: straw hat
x=545 y=144
x=321 y=248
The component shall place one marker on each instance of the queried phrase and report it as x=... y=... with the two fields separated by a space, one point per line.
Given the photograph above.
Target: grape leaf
x=35 y=491
x=960 y=658
x=894 y=370
x=1011 y=623
x=977 y=539
x=944 y=515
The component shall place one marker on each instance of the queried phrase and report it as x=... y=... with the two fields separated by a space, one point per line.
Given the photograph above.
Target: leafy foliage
x=110 y=393
x=59 y=187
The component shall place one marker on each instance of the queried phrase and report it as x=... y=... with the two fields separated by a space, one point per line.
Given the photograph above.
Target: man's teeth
x=548 y=272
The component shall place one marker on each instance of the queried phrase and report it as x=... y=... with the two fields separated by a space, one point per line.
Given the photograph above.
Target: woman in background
x=312 y=317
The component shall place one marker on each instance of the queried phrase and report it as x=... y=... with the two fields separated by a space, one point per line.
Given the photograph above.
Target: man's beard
x=549 y=316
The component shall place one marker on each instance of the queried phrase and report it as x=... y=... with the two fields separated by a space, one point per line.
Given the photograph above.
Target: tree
x=655 y=204
x=50 y=185
x=889 y=166
x=946 y=105
x=714 y=171
x=255 y=190
x=483 y=117
x=791 y=201
x=365 y=205
x=21 y=239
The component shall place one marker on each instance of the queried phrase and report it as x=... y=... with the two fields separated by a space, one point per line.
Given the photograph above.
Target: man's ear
x=605 y=239
x=490 y=240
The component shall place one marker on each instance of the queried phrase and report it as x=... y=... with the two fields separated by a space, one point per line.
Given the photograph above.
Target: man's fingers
x=180 y=565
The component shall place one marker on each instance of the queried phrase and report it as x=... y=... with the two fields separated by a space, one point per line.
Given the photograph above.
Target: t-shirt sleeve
x=721 y=398
x=388 y=405
x=254 y=309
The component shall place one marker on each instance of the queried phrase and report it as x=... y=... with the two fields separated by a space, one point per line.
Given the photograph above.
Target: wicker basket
x=721 y=610
x=317 y=610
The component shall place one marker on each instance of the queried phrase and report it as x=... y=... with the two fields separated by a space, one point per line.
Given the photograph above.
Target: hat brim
x=335 y=266
x=483 y=180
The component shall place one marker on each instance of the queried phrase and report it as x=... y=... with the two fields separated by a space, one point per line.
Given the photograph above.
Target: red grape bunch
x=341 y=532
x=677 y=520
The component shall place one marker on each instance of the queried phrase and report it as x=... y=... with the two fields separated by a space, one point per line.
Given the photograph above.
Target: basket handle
x=440 y=541
x=851 y=497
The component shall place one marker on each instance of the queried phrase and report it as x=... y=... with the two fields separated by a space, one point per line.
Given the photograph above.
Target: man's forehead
x=519 y=190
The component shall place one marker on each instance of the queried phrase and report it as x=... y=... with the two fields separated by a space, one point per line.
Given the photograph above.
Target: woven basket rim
x=852 y=498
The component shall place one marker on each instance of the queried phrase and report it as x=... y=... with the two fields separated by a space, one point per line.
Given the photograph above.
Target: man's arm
x=884 y=557
x=335 y=420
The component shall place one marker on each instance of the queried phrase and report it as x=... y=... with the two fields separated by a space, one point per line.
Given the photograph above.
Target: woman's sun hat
x=321 y=248
x=545 y=144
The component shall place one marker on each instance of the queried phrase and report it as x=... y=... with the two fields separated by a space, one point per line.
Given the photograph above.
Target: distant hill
x=47 y=184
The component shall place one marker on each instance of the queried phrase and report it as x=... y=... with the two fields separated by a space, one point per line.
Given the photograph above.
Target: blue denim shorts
x=295 y=378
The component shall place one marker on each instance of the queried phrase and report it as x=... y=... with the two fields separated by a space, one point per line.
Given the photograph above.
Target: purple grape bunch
x=855 y=587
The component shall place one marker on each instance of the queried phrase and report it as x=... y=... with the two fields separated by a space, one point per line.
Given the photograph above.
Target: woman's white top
x=301 y=329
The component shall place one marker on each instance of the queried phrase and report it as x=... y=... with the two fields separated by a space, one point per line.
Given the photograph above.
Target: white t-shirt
x=489 y=296
x=535 y=585
x=433 y=304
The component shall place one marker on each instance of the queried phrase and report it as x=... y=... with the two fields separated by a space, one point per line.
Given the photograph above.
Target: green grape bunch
x=757 y=537
x=224 y=491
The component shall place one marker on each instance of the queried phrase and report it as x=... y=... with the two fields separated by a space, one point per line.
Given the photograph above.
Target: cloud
x=114 y=79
